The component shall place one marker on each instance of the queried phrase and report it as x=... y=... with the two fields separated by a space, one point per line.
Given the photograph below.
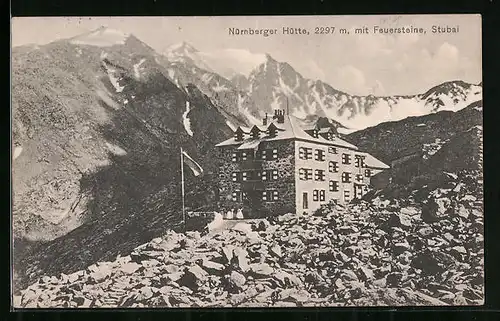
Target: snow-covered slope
x=277 y=85
x=227 y=62
x=102 y=37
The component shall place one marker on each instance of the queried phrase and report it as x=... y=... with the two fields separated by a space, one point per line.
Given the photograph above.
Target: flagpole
x=182 y=187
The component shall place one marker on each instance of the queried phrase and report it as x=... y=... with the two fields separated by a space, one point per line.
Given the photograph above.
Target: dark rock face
x=101 y=150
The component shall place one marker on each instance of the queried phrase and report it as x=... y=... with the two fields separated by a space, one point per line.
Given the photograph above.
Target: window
x=319 y=195
x=244 y=176
x=332 y=150
x=271 y=195
x=359 y=177
x=235 y=176
x=347 y=196
x=333 y=167
x=315 y=133
x=365 y=188
x=359 y=161
x=271 y=174
x=267 y=154
x=305 y=174
x=305 y=203
x=368 y=173
x=243 y=155
x=235 y=156
x=346 y=177
x=275 y=154
x=334 y=186
x=346 y=159
x=319 y=175
x=305 y=153
x=319 y=155
x=236 y=196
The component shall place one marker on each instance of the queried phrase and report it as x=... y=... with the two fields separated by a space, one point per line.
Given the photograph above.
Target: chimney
x=281 y=116
x=264 y=121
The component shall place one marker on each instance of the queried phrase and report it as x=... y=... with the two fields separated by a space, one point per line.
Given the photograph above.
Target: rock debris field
x=370 y=253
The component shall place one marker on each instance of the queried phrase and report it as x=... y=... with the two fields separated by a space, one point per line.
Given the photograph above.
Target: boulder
x=436 y=209
x=261 y=269
x=237 y=279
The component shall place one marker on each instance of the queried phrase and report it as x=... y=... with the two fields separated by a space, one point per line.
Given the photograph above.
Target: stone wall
x=285 y=184
x=225 y=184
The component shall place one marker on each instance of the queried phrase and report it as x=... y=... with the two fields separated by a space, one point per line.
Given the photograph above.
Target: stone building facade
x=280 y=167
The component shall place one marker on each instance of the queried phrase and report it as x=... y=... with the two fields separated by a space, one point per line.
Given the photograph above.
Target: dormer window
x=255 y=132
x=315 y=133
x=238 y=134
x=272 y=130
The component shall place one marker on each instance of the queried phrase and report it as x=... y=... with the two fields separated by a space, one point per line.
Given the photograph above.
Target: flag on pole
x=190 y=162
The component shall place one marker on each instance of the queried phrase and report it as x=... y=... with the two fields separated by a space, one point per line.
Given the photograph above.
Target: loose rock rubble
x=377 y=252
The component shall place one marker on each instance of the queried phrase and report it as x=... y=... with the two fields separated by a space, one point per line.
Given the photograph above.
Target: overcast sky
x=359 y=64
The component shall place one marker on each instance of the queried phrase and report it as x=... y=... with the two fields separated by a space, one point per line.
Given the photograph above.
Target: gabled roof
x=242 y=129
x=325 y=130
x=373 y=162
x=291 y=129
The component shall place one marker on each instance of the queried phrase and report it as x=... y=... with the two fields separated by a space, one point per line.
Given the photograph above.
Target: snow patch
x=115 y=81
x=231 y=125
x=219 y=88
x=252 y=119
x=229 y=62
x=171 y=73
x=137 y=67
x=102 y=37
x=186 y=121
x=421 y=125
x=125 y=101
x=17 y=151
x=117 y=150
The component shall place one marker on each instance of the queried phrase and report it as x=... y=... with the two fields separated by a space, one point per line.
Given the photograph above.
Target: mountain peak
x=269 y=58
x=182 y=48
x=101 y=37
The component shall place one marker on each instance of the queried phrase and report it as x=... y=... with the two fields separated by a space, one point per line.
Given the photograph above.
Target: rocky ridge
x=419 y=250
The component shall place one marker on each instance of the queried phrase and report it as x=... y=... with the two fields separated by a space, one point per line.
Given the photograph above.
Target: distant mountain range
x=272 y=85
x=98 y=121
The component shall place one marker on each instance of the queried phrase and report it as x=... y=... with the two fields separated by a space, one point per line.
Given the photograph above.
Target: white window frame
x=332 y=150
x=322 y=195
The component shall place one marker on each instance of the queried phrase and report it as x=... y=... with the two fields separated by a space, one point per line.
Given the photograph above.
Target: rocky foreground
x=382 y=252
